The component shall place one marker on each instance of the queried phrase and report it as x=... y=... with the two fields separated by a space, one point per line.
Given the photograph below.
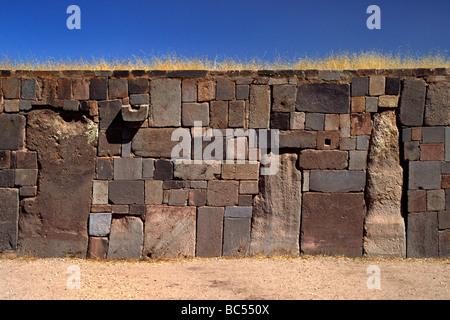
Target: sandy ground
x=234 y=279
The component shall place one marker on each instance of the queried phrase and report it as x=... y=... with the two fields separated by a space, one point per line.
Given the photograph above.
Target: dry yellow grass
x=353 y=61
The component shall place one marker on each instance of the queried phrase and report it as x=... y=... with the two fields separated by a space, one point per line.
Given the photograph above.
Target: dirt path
x=252 y=278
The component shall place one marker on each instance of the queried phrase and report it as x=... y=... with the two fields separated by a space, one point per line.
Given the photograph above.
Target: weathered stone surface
x=411 y=151
x=392 y=86
x=71 y=105
x=236 y=114
x=222 y=193
x=357 y=160
x=163 y=170
x=126 y=192
x=412 y=102
x=435 y=200
x=422 y=235
x=371 y=104
x=109 y=142
x=25 y=177
x=193 y=171
x=242 y=92
x=12 y=131
x=417 y=200
x=248 y=187
x=424 y=175
x=26 y=160
x=191 y=112
x=432 y=152
x=138 y=86
x=165 y=108
x=447 y=144
x=127 y=168
x=388 y=101
x=323 y=159
x=12 y=106
x=331 y=122
x=284 y=98
x=361 y=124
x=444 y=244
x=437 y=110
x=9 y=217
x=5 y=159
x=98 y=247
x=126 y=238
x=104 y=169
x=238 y=212
x=384 y=225
x=298 y=120
x=323 y=98
x=240 y=171
x=433 y=134
x=358 y=104
x=110 y=114
x=153 y=192
x=315 y=121
x=29 y=89
x=189 y=90
x=219 y=114
x=280 y=120
x=99 y=224
x=225 y=89
x=155 y=142
x=118 y=88
x=259 y=107
x=98 y=89
x=337 y=181
x=332 y=223
x=209 y=232
x=11 y=87
x=360 y=86
x=170 y=232
x=54 y=224
x=236 y=237
x=197 y=197
x=206 y=90
x=277 y=211
x=376 y=85
x=80 y=89
x=298 y=139
x=7 y=178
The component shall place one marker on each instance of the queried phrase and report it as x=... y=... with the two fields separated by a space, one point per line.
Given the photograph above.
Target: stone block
x=236 y=237
x=155 y=142
x=433 y=134
x=444 y=244
x=104 y=169
x=357 y=160
x=362 y=142
x=174 y=184
x=25 y=105
x=11 y=106
x=188 y=90
x=163 y=170
x=9 y=218
x=417 y=200
x=240 y=171
x=344 y=125
x=332 y=224
x=165 y=108
x=376 y=85
x=80 y=89
x=101 y=208
x=358 y=104
x=209 y=232
x=435 y=200
x=219 y=114
x=242 y=92
x=153 y=192
x=424 y=175
x=328 y=75
x=245 y=200
x=194 y=171
x=98 y=247
x=25 y=177
x=284 y=97
x=110 y=114
x=447 y=144
x=412 y=102
x=444 y=219
x=138 y=86
x=432 y=152
x=26 y=160
x=445 y=181
x=437 y=112
x=222 y=193
x=323 y=98
x=337 y=181
x=197 y=197
x=7 y=178
x=206 y=90
x=11 y=88
x=371 y=104
x=238 y=212
x=298 y=139
x=29 y=89
x=170 y=232
x=225 y=89
x=191 y=112
x=331 y=122
x=259 y=106
x=445 y=166
x=347 y=143
x=360 y=86
x=64 y=89
x=198 y=184
x=71 y=105
x=406 y=135
x=323 y=159
x=109 y=143
x=178 y=197
x=328 y=140
x=139 y=99
x=416 y=134
x=236 y=114
x=118 y=88
x=100 y=224
x=388 y=101
x=126 y=238
x=248 y=187
x=361 y=124
x=99 y=192
x=148 y=166
x=392 y=86
x=422 y=235
x=411 y=151
x=314 y=121
x=280 y=120
x=298 y=120
x=126 y=192
x=98 y=89
x=5 y=159
x=127 y=168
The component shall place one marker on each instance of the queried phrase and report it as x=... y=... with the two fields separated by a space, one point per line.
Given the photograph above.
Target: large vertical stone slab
x=12 y=131
x=209 y=232
x=412 y=102
x=277 y=211
x=126 y=238
x=259 y=109
x=165 y=108
x=169 y=232
x=323 y=98
x=332 y=224
x=422 y=235
x=54 y=224
x=437 y=110
x=9 y=216
x=384 y=225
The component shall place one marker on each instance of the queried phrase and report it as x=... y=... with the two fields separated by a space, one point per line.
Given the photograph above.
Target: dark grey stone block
x=187 y=73
x=71 y=105
x=138 y=99
x=25 y=105
x=105 y=169
x=433 y=135
x=238 y=212
x=412 y=102
x=315 y=121
x=7 y=178
x=424 y=175
x=360 y=86
x=337 y=181
x=163 y=170
x=110 y=114
x=11 y=88
x=242 y=92
x=99 y=224
x=98 y=89
x=9 y=218
x=147 y=168
x=25 y=177
x=225 y=89
x=392 y=86
x=444 y=244
x=236 y=236
x=126 y=192
x=422 y=235
x=406 y=134
x=209 y=232
x=447 y=144
x=437 y=111
x=444 y=219
x=127 y=168
x=323 y=98
x=138 y=86
x=12 y=130
x=280 y=120
x=29 y=89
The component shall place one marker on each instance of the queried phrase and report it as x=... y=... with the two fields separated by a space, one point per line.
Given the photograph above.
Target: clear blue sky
x=231 y=28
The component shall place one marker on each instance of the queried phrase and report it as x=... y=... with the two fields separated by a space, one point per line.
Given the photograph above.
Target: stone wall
x=115 y=164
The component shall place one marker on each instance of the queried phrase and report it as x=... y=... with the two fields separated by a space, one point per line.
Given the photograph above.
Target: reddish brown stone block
x=328 y=140
x=417 y=200
x=416 y=133
x=64 y=89
x=223 y=193
x=361 y=124
x=432 y=152
x=98 y=247
x=323 y=159
x=445 y=181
